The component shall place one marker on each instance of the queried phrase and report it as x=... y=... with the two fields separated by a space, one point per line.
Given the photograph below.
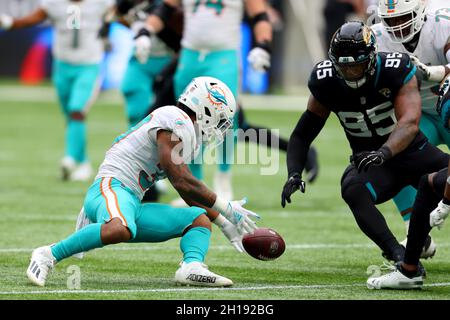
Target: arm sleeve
x=307 y=129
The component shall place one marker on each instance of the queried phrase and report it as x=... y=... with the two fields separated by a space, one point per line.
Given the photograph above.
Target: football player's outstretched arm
x=38 y=16
x=189 y=188
x=235 y=220
x=307 y=129
x=433 y=73
x=407 y=106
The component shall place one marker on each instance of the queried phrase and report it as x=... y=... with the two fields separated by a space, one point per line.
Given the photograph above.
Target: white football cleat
x=42 y=261
x=179 y=203
x=82 y=173
x=82 y=221
x=395 y=280
x=68 y=165
x=428 y=250
x=222 y=185
x=197 y=274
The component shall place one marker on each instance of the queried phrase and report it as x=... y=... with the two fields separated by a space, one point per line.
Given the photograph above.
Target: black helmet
x=353 y=52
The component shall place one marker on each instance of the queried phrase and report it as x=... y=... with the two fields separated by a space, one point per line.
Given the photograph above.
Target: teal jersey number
x=443 y=13
x=217 y=5
x=75 y=38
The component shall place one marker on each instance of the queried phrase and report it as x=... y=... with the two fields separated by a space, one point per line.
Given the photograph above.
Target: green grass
x=38 y=209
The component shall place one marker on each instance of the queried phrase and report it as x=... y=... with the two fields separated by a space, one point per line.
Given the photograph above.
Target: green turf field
x=326 y=257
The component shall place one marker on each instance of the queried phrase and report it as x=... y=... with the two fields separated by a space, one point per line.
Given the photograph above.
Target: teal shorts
x=223 y=65
x=76 y=85
x=108 y=198
x=434 y=130
x=138 y=82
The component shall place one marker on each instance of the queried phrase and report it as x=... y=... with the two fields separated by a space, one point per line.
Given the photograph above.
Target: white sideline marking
x=257 y=288
x=226 y=247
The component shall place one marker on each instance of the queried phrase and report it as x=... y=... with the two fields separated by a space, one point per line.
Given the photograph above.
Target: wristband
x=219 y=221
x=387 y=153
x=220 y=205
x=437 y=73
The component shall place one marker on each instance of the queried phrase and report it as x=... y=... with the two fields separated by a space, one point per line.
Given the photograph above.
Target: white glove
x=231 y=232
x=237 y=214
x=259 y=59
x=143 y=45
x=430 y=73
x=438 y=216
x=6 y=21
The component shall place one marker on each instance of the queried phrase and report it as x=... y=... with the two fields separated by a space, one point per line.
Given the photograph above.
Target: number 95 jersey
x=367 y=114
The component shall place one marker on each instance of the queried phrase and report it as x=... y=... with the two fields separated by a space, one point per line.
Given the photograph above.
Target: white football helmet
x=214 y=105
x=402 y=19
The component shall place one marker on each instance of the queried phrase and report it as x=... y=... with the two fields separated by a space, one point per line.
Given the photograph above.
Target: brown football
x=264 y=244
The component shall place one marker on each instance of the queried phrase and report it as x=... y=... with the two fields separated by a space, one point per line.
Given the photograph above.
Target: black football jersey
x=367 y=114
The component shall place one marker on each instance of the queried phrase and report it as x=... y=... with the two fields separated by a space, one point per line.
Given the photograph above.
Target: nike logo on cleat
x=200 y=278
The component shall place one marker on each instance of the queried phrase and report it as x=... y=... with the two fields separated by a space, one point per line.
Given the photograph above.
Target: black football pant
x=362 y=191
x=430 y=192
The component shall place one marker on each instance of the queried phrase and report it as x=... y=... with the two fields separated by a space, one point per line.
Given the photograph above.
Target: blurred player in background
x=158 y=147
x=77 y=52
x=138 y=80
x=376 y=98
x=210 y=47
x=406 y=27
x=431 y=208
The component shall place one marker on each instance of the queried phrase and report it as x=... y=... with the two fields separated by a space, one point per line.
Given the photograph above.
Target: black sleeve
x=321 y=83
x=307 y=129
x=398 y=69
x=123 y=6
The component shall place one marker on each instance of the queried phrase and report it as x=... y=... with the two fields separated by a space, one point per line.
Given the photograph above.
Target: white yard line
x=179 y=290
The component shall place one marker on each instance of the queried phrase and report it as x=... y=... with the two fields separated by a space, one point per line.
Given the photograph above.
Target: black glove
x=366 y=159
x=293 y=184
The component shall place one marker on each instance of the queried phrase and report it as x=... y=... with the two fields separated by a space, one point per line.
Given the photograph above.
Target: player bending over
x=376 y=98
x=156 y=148
x=431 y=208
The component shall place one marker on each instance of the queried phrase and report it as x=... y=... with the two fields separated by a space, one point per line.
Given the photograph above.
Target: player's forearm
x=35 y=18
x=307 y=129
x=447 y=185
x=193 y=190
x=401 y=137
x=263 y=32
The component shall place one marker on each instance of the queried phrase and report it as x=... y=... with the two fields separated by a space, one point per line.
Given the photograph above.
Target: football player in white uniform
x=407 y=27
x=210 y=46
x=158 y=147
x=77 y=52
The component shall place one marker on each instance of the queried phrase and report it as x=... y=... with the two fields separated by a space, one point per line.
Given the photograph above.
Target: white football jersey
x=434 y=36
x=212 y=25
x=77 y=25
x=133 y=159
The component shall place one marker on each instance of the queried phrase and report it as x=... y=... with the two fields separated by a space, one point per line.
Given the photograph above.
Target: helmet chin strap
x=356 y=84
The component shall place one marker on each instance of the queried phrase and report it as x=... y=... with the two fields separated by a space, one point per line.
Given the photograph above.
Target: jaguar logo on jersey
x=216 y=95
x=386 y=92
x=391 y=5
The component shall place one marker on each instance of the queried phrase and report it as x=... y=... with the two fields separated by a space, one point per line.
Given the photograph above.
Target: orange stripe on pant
x=112 y=203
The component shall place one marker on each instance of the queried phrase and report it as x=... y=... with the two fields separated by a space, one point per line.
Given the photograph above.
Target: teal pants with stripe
x=223 y=65
x=137 y=86
x=76 y=86
x=108 y=198
x=437 y=134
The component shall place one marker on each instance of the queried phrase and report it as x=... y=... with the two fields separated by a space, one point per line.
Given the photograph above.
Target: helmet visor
x=352 y=71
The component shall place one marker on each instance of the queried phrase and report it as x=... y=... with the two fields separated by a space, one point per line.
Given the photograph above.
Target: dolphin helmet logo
x=216 y=95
